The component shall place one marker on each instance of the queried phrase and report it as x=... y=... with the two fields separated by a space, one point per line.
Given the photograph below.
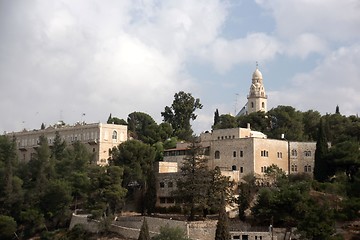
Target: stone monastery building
x=97 y=137
x=239 y=151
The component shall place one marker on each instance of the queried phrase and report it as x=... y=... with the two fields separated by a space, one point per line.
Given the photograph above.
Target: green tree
x=11 y=191
x=286 y=120
x=58 y=148
x=345 y=157
x=150 y=193
x=169 y=233
x=220 y=189
x=258 y=121
x=106 y=196
x=311 y=123
x=55 y=203
x=216 y=118
x=226 y=121
x=222 y=226
x=143 y=127
x=136 y=158
x=247 y=191
x=194 y=185
x=7 y=227
x=321 y=168
x=316 y=222
x=180 y=113
x=115 y=120
x=144 y=231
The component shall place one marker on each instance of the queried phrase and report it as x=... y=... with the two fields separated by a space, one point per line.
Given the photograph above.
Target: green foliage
x=78 y=232
x=193 y=187
x=316 y=222
x=219 y=187
x=286 y=120
x=180 y=113
x=55 y=202
x=7 y=227
x=311 y=120
x=169 y=233
x=345 y=157
x=222 y=226
x=282 y=205
x=225 y=121
x=143 y=127
x=216 y=118
x=136 y=158
x=115 y=120
x=321 y=168
x=258 y=121
x=106 y=196
x=170 y=143
x=144 y=231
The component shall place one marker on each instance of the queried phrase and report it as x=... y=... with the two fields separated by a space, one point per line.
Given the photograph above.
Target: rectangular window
x=241 y=153
x=162 y=184
x=234 y=154
x=236 y=237
x=241 y=169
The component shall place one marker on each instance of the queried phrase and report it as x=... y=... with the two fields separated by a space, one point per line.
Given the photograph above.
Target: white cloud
x=335 y=81
x=329 y=19
x=66 y=58
x=305 y=44
x=224 y=54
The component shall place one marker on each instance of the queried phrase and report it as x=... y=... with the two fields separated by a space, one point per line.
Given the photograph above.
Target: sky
x=80 y=60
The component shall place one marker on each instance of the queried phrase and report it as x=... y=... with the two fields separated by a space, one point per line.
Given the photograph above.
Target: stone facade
x=97 y=137
x=237 y=152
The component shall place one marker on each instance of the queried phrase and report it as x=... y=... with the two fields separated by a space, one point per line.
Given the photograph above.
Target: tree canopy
x=180 y=113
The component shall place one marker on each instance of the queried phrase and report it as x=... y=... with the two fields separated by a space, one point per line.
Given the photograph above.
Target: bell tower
x=257 y=98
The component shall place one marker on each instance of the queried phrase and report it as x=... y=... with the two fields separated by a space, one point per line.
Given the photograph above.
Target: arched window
x=263 y=105
x=233 y=167
x=252 y=104
x=217 y=155
x=114 y=135
x=294 y=152
x=234 y=153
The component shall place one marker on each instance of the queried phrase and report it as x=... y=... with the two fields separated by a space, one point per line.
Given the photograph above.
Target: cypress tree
x=144 y=231
x=321 y=168
x=216 y=118
x=222 y=226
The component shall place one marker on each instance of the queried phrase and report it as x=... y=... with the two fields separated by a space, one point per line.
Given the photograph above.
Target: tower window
x=263 y=105
x=252 y=104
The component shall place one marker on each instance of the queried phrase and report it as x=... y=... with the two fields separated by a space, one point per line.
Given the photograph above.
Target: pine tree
x=222 y=226
x=144 y=231
x=321 y=168
x=193 y=186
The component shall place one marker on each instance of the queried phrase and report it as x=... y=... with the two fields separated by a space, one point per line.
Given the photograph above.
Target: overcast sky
x=62 y=58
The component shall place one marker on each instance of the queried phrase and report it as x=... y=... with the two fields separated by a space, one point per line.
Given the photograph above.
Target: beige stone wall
x=234 y=154
x=166 y=167
x=274 y=152
x=302 y=155
x=165 y=185
x=97 y=137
